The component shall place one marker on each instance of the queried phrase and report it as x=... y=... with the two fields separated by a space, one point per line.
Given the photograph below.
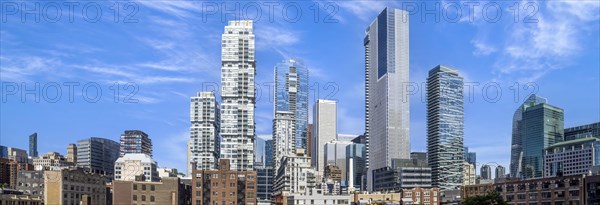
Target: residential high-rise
x=135 y=142
x=238 y=97
x=295 y=175
x=486 y=172
x=541 y=126
x=33 y=151
x=325 y=130
x=582 y=131
x=516 y=149
x=98 y=155
x=500 y=172
x=72 y=153
x=204 y=144
x=469 y=175
x=291 y=95
x=387 y=110
x=283 y=136
x=130 y=166
x=445 y=129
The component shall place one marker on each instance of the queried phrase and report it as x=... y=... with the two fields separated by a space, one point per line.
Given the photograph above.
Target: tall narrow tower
x=445 y=127
x=204 y=143
x=386 y=101
x=238 y=70
x=33 y=151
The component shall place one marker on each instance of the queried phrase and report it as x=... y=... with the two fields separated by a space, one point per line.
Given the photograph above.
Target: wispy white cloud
x=363 y=10
x=182 y=9
x=482 y=48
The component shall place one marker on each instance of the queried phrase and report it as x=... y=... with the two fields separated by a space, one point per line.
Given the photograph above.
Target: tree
x=491 y=198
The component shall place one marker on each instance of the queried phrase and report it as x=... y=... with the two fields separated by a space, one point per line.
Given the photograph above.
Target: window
x=135 y=187
x=151 y=187
x=144 y=187
x=143 y=197
x=151 y=198
x=135 y=197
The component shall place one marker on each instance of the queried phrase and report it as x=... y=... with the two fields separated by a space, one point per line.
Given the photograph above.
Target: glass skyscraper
x=516 y=144
x=33 y=152
x=291 y=95
x=135 y=142
x=238 y=97
x=98 y=155
x=445 y=127
x=542 y=125
x=386 y=103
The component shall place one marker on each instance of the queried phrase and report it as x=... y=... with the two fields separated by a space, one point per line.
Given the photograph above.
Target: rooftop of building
x=144 y=158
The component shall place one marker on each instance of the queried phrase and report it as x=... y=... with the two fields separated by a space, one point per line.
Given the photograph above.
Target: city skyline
x=167 y=130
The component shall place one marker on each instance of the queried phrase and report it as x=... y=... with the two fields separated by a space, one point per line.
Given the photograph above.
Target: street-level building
x=573 y=157
x=211 y=187
x=31 y=183
x=130 y=166
x=167 y=191
x=74 y=186
x=404 y=174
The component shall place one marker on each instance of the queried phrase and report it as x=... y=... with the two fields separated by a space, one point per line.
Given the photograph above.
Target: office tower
x=516 y=154
x=264 y=183
x=170 y=190
x=291 y=95
x=469 y=175
x=130 y=166
x=387 y=109
x=223 y=186
x=500 y=172
x=91 y=187
x=17 y=154
x=571 y=158
x=335 y=154
x=98 y=155
x=541 y=126
x=284 y=141
x=238 y=69
x=356 y=167
x=204 y=143
x=486 y=172
x=311 y=138
x=445 y=130
x=3 y=151
x=470 y=157
x=403 y=174
x=260 y=149
x=582 y=131
x=72 y=154
x=135 y=142
x=325 y=130
x=33 y=152
x=419 y=157
x=269 y=152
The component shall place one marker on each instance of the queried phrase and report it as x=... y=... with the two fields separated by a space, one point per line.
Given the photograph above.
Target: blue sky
x=170 y=49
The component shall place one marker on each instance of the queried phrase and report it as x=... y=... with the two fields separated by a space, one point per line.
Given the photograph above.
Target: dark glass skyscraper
x=541 y=126
x=445 y=129
x=582 y=131
x=33 y=151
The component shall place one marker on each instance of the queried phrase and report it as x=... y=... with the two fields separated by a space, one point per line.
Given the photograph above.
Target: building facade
x=445 y=127
x=541 y=126
x=404 y=174
x=205 y=140
x=238 y=97
x=325 y=130
x=295 y=175
x=33 y=151
x=387 y=106
x=167 y=172
x=73 y=186
x=469 y=176
x=516 y=153
x=336 y=154
x=355 y=166
x=264 y=183
x=486 y=172
x=130 y=166
x=9 y=170
x=291 y=95
x=582 y=131
x=51 y=160
x=500 y=172
x=135 y=142
x=18 y=155
x=223 y=186
x=72 y=153
x=31 y=183
x=557 y=190
x=98 y=155
x=168 y=191
x=284 y=142
x=573 y=157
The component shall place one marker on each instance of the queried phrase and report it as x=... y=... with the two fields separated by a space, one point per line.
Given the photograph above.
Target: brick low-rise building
x=74 y=186
x=223 y=186
x=168 y=191
x=544 y=191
